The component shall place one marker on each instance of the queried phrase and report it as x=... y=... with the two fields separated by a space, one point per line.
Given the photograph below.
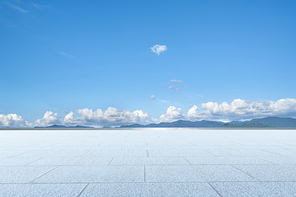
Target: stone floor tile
x=44 y=190
x=22 y=174
x=270 y=172
x=149 y=189
x=89 y=174
x=255 y=189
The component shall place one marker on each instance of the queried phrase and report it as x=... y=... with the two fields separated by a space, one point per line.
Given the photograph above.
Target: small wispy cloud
x=172 y=88
x=158 y=48
x=177 y=89
x=153 y=97
x=66 y=55
x=16 y=7
x=176 y=81
x=36 y=6
x=163 y=101
x=40 y=7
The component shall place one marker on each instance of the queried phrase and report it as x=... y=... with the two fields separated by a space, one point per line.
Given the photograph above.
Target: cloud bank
x=110 y=117
x=238 y=109
x=13 y=120
x=158 y=49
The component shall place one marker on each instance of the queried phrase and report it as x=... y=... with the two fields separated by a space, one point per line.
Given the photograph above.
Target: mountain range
x=254 y=123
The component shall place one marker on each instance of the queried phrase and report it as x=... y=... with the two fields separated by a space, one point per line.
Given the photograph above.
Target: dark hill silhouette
x=254 y=123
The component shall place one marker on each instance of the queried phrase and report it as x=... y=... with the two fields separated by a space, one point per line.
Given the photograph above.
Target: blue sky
x=65 y=56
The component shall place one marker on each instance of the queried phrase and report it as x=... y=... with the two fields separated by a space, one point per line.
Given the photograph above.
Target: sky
x=108 y=63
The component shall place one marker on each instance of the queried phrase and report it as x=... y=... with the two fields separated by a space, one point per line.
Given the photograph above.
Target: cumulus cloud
x=176 y=81
x=171 y=115
x=158 y=48
x=13 y=120
x=241 y=109
x=152 y=97
x=192 y=111
x=48 y=119
x=171 y=87
x=110 y=117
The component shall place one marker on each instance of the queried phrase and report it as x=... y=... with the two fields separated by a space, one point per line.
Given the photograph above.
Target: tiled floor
x=152 y=162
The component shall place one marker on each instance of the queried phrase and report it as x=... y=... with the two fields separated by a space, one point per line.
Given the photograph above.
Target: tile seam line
x=187 y=160
x=244 y=172
x=273 y=153
x=57 y=183
x=109 y=161
x=82 y=190
x=44 y=174
x=28 y=164
x=210 y=152
x=145 y=174
x=214 y=189
x=272 y=163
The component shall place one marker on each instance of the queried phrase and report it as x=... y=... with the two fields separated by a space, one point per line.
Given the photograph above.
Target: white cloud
x=178 y=89
x=192 y=111
x=48 y=119
x=171 y=115
x=174 y=89
x=110 y=117
x=13 y=120
x=66 y=55
x=152 y=97
x=176 y=81
x=16 y=7
x=36 y=6
x=241 y=109
x=158 y=49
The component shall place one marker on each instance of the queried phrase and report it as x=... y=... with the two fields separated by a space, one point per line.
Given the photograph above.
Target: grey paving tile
x=22 y=174
x=89 y=161
x=226 y=160
x=221 y=153
x=242 y=153
x=270 y=172
x=16 y=161
x=88 y=174
x=195 y=153
x=289 y=153
x=133 y=153
x=37 y=190
x=52 y=154
x=50 y=161
x=149 y=189
x=222 y=173
x=252 y=189
x=164 y=161
x=280 y=160
x=103 y=153
x=129 y=161
x=11 y=153
x=172 y=174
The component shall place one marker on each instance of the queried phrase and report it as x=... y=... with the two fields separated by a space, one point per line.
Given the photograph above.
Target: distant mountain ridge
x=179 y=123
x=268 y=122
x=63 y=126
x=254 y=123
